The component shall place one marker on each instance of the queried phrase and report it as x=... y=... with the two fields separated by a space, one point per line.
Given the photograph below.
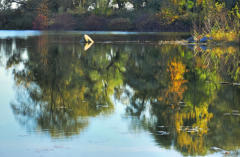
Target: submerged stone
x=205 y=39
x=190 y=40
x=203 y=47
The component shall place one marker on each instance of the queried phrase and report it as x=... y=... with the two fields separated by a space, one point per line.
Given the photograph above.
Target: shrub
x=221 y=35
x=40 y=22
x=147 y=23
x=94 y=22
x=120 y=24
x=167 y=16
x=64 y=22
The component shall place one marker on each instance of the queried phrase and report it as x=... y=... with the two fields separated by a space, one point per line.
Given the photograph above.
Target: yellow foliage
x=167 y=16
x=191 y=144
x=221 y=51
x=225 y=36
x=175 y=89
x=219 y=6
x=177 y=70
x=192 y=140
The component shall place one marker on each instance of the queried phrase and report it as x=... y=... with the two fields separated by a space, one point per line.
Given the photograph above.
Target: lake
x=125 y=95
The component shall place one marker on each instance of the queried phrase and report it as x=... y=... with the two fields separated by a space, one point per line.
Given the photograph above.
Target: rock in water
x=205 y=39
x=190 y=40
x=87 y=39
x=203 y=47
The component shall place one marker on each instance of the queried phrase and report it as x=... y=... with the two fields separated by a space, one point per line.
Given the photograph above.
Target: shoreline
x=160 y=38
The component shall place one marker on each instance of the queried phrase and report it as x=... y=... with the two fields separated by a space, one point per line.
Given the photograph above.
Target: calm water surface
x=62 y=98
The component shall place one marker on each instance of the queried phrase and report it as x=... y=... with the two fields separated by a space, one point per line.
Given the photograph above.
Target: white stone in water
x=88 y=39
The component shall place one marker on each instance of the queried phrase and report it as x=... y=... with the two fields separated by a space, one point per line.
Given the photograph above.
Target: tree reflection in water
x=61 y=86
x=64 y=85
x=184 y=97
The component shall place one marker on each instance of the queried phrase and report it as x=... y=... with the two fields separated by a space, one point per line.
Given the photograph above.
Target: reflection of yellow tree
x=196 y=118
x=190 y=124
x=191 y=137
x=176 y=86
x=193 y=144
x=187 y=125
x=222 y=51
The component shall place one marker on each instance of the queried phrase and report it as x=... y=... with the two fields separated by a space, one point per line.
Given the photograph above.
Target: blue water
x=111 y=132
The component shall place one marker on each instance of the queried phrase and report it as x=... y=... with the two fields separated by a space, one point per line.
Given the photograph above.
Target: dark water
x=62 y=98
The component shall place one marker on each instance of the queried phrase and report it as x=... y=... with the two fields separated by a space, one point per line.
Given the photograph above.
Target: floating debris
x=236 y=84
x=162 y=126
x=181 y=102
x=62 y=107
x=104 y=106
x=220 y=150
x=230 y=83
x=227 y=114
x=226 y=152
x=232 y=114
x=179 y=42
x=162 y=133
x=190 y=129
x=216 y=149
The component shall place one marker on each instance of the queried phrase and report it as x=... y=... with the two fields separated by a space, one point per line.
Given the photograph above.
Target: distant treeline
x=125 y=15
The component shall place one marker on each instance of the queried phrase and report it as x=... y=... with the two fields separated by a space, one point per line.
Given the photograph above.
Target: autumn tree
x=41 y=20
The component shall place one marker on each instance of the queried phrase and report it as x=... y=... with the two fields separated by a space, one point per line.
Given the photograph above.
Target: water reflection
x=186 y=96
x=175 y=92
x=62 y=83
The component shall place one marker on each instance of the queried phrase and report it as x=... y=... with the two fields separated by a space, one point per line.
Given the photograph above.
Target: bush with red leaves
x=40 y=22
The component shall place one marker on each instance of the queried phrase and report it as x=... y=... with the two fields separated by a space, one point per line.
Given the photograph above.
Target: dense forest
x=201 y=16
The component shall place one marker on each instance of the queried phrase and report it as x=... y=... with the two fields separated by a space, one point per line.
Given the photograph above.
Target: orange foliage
x=41 y=21
x=176 y=89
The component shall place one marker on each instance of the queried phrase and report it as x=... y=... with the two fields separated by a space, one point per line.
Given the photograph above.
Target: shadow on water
x=173 y=92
